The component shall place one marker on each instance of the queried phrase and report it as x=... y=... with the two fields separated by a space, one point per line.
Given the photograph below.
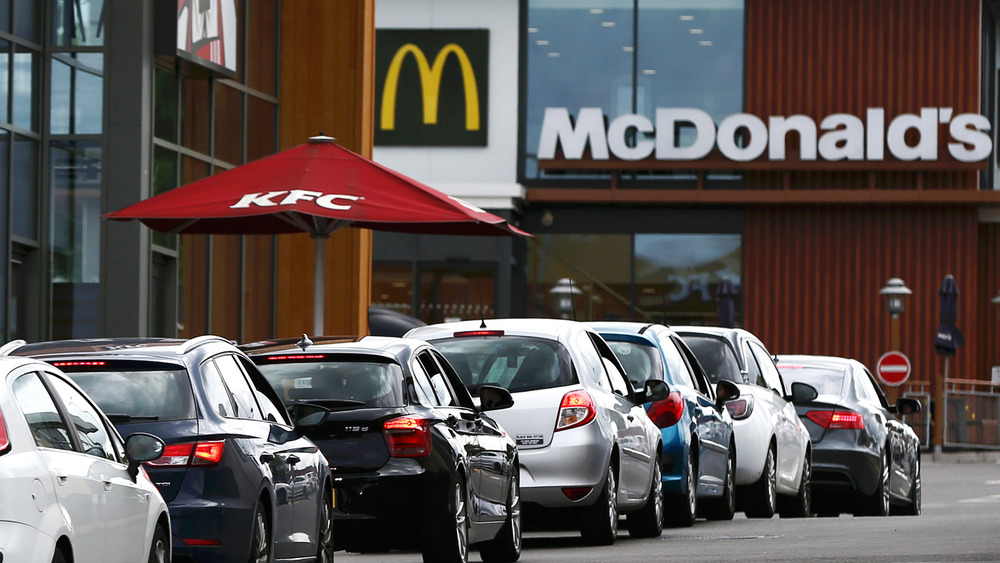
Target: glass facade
x=629 y=56
x=444 y=292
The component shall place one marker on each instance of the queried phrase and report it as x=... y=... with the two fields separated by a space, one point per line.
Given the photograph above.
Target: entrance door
x=451 y=292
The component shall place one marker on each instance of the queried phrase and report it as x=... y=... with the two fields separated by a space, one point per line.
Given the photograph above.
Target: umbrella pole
x=319 y=283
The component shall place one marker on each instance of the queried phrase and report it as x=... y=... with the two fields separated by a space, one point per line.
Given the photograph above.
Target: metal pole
x=892 y=392
x=319 y=283
x=937 y=394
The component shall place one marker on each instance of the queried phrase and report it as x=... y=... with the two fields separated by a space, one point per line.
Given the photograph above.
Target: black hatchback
x=415 y=463
x=240 y=484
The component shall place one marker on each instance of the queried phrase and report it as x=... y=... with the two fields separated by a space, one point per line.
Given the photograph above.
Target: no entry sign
x=893 y=368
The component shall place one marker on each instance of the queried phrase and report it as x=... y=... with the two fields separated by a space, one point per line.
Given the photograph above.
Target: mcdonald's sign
x=431 y=87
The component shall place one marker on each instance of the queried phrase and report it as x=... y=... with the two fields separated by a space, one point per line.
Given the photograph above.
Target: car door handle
x=293 y=459
x=107 y=483
x=266 y=458
x=61 y=477
x=630 y=418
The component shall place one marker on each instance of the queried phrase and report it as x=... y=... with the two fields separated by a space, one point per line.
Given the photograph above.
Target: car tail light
x=740 y=408
x=4 y=440
x=667 y=412
x=77 y=364
x=465 y=333
x=196 y=541
x=576 y=493
x=837 y=420
x=295 y=357
x=187 y=454
x=407 y=437
x=577 y=409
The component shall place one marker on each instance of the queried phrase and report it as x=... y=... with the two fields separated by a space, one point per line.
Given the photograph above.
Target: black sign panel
x=431 y=87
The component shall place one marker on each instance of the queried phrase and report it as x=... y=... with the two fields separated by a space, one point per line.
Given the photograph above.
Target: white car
x=72 y=495
x=773 y=448
x=588 y=451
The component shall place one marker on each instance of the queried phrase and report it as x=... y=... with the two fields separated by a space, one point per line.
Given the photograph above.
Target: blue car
x=699 y=450
x=240 y=483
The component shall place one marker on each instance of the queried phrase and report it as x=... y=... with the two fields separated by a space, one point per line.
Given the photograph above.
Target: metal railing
x=971 y=411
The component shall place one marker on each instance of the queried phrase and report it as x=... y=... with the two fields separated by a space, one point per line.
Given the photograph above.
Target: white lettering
x=970 y=129
x=296 y=196
x=326 y=201
x=557 y=128
x=666 y=141
x=844 y=140
x=617 y=141
x=801 y=124
x=925 y=124
x=257 y=199
x=875 y=145
x=727 y=137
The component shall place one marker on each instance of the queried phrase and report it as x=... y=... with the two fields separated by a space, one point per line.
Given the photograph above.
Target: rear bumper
x=673 y=460
x=841 y=467
x=577 y=457
x=24 y=543
x=228 y=523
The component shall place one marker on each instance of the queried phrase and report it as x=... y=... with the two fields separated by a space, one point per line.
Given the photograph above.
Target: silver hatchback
x=587 y=449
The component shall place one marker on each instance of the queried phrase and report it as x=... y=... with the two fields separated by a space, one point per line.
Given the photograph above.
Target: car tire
x=260 y=545
x=325 y=549
x=449 y=543
x=724 y=507
x=762 y=496
x=913 y=509
x=506 y=546
x=878 y=503
x=647 y=522
x=159 y=548
x=58 y=556
x=681 y=510
x=600 y=523
x=800 y=505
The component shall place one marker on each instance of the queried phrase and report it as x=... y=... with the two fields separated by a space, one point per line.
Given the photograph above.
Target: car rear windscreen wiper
x=122 y=417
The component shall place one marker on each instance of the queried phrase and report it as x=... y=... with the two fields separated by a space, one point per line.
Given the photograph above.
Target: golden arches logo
x=430 y=85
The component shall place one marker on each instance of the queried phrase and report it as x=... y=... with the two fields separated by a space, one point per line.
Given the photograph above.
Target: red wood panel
x=988 y=343
x=843 y=56
x=812 y=276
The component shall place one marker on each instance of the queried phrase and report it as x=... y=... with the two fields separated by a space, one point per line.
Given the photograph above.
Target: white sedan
x=70 y=488
x=773 y=449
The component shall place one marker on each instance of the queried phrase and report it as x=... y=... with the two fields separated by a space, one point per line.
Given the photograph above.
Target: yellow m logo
x=430 y=85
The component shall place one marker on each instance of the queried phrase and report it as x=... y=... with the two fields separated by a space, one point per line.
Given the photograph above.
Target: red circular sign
x=893 y=368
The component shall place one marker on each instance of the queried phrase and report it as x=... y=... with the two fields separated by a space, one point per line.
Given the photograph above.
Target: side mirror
x=802 y=393
x=493 y=398
x=139 y=448
x=653 y=390
x=725 y=391
x=308 y=415
x=906 y=405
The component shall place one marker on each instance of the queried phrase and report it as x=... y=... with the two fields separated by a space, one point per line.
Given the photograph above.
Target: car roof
x=384 y=346
x=549 y=329
x=811 y=360
x=175 y=349
x=625 y=327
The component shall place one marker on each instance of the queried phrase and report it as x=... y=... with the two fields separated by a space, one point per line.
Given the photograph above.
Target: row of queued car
x=288 y=450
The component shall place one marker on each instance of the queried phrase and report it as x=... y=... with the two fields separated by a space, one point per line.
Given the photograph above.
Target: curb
x=963 y=457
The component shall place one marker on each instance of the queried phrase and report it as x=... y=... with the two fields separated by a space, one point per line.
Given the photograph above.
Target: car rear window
x=135 y=392
x=716 y=357
x=641 y=361
x=336 y=382
x=827 y=381
x=517 y=363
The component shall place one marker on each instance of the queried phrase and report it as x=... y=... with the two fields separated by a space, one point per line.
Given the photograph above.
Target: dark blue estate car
x=240 y=484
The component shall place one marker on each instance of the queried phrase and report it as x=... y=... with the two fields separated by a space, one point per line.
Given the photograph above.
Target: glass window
x=392 y=286
x=373 y=381
x=826 y=381
x=27 y=16
x=262 y=60
x=716 y=357
x=513 y=362
x=580 y=276
x=423 y=387
x=165 y=106
x=94 y=436
x=77 y=23
x=215 y=390
x=456 y=293
x=269 y=410
x=228 y=129
x=75 y=176
x=26 y=90
x=4 y=77
x=240 y=390
x=77 y=105
x=129 y=393
x=262 y=126
x=676 y=365
x=754 y=374
x=437 y=379
x=24 y=219
x=47 y=426
x=772 y=378
x=866 y=387
x=195 y=113
x=640 y=360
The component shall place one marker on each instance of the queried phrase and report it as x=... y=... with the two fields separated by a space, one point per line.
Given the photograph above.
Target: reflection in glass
x=597 y=270
x=456 y=293
x=27 y=15
x=164 y=179
x=75 y=176
x=25 y=86
x=24 y=219
x=77 y=22
x=392 y=286
x=77 y=93
x=195 y=113
x=165 y=105
x=4 y=79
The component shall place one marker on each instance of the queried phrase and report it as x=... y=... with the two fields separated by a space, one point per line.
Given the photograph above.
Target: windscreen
x=336 y=383
x=641 y=361
x=139 y=392
x=716 y=358
x=827 y=381
x=517 y=363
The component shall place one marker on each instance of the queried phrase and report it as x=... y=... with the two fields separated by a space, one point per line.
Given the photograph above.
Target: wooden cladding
x=988 y=343
x=812 y=276
x=843 y=56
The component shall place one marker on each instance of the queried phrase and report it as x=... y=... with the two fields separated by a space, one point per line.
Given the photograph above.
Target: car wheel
x=681 y=510
x=58 y=556
x=451 y=543
x=325 y=550
x=799 y=506
x=159 y=549
x=600 y=524
x=260 y=546
x=878 y=503
x=647 y=522
x=913 y=508
x=763 y=495
x=724 y=508
x=506 y=547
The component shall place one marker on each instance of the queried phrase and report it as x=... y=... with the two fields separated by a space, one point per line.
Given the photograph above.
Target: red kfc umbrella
x=316 y=188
